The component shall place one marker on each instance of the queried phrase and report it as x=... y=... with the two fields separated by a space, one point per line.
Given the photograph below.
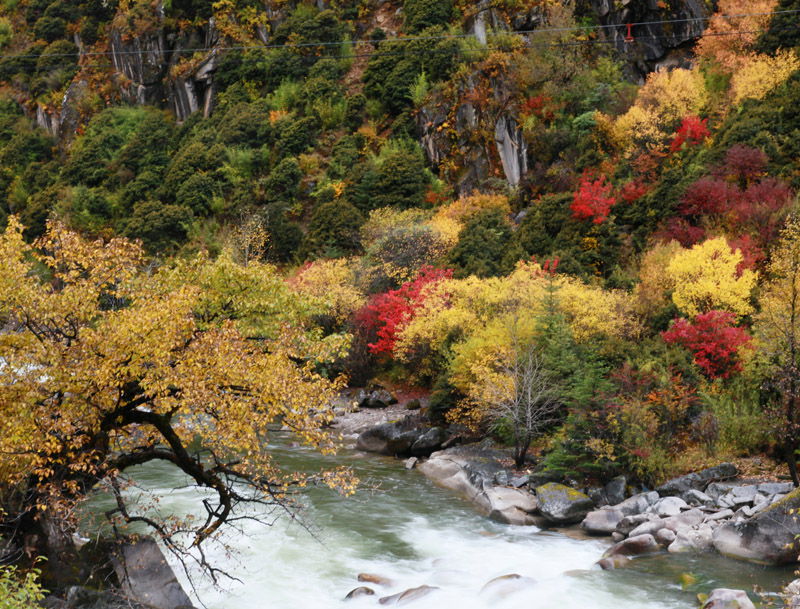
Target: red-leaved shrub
x=691 y=132
x=594 y=199
x=386 y=314
x=714 y=341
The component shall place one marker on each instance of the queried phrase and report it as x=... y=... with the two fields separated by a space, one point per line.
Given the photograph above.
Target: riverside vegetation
x=217 y=214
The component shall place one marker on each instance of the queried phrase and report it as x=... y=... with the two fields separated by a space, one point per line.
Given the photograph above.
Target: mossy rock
x=561 y=504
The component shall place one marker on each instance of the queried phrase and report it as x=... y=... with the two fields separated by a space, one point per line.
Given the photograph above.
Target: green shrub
x=482 y=243
x=421 y=14
x=283 y=182
x=344 y=157
x=144 y=187
x=444 y=397
x=741 y=425
x=55 y=67
x=50 y=28
x=89 y=31
x=285 y=237
x=26 y=146
x=23 y=64
x=90 y=208
x=186 y=163
x=328 y=69
x=20 y=590
x=331 y=113
x=782 y=32
x=319 y=89
x=246 y=126
x=37 y=209
x=401 y=180
x=296 y=136
x=162 y=228
x=334 y=230
x=420 y=89
x=6 y=32
x=536 y=234
x=35 y=9
x=197 y=193
x=354 y=116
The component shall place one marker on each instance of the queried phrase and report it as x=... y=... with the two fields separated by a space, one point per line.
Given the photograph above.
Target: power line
x=407 y=39
x=404 y=53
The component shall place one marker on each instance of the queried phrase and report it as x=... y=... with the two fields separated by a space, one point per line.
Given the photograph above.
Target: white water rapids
x=415 y=533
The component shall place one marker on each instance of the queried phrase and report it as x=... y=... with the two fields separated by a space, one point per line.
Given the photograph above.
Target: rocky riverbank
x=713 y=510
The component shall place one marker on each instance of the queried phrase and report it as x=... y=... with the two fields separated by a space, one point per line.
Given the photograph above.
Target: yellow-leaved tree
x=108 y=364
x=760 y=74
x=728 y=40
x=651 y=293
x=333 y=283
x=777 y=331
x=706 y=278
x=663 y=102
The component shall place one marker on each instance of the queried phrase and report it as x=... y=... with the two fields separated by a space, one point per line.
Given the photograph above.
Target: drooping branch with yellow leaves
x=107 y=365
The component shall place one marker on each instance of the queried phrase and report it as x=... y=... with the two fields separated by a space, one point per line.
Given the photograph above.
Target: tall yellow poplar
x=706 y=278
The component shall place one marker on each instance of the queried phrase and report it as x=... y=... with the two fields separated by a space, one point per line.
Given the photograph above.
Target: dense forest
x=441 y=194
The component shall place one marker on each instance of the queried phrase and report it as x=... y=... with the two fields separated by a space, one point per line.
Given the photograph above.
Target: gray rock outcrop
x=725 y=598
x=633 y=546
x=459 y=471
x=698 y=480
x=561 y=504
x=769 y=537
x=146 y=577
x=602 y=521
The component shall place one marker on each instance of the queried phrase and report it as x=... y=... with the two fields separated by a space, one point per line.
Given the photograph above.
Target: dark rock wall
x=663 y=29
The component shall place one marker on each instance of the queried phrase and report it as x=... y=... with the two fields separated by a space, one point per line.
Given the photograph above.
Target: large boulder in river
x=509 y=505
x=146 y=577
x=601 y=522
x=388 y=439
x=561 y=504
x=769 y=537
x=429 y=442
x=457 y=472
x=472 y=473
x=725 y=598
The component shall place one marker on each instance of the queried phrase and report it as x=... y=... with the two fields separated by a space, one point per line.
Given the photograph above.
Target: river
x=411 y=531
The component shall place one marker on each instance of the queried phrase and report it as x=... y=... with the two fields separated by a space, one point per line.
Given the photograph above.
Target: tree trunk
x=62 y=564
x=520 y=452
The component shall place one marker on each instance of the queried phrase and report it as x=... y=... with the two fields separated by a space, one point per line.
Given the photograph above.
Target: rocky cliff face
x=665 y=27
x=667 y=31
x=147 y=61
x=448 y=131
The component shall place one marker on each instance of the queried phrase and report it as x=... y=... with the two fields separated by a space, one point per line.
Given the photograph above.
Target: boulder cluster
x=710 y=510
x=700 y=512
x=703 y=511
